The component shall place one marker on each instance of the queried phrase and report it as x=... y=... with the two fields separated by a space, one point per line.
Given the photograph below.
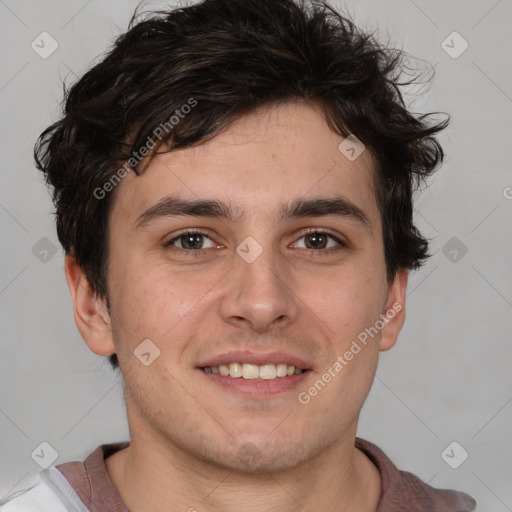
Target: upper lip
x=257 y=358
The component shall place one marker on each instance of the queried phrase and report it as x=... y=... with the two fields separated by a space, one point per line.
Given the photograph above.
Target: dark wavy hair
x=232 y=57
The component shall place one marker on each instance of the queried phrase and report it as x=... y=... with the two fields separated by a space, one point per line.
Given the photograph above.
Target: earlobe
x=91 y=316
x=394 y=316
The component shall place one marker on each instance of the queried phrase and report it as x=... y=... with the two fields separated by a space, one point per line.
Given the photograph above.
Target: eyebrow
x=172 y=206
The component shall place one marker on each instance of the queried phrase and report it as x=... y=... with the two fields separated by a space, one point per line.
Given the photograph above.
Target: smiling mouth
x=254 y=371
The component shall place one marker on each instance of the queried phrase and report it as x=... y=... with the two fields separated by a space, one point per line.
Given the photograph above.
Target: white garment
x=49 y=491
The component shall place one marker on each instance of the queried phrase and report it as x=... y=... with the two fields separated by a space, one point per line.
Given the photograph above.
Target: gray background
x=447 y=379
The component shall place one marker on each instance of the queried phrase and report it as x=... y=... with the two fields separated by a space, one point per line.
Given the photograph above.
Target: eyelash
x=311 y=231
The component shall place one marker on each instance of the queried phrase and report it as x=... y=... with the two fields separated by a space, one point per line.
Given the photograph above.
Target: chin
x=259 y=458
x=251 y=461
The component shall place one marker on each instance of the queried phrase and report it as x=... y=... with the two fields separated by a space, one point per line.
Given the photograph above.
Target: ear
x=394 y=314
x=91 y=316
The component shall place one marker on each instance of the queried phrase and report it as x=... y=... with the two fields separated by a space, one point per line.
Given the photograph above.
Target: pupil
x=189 y=244
x=319 y=239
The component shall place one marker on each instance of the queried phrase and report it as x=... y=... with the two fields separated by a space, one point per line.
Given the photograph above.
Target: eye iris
x=317 y=240
x=190 y=239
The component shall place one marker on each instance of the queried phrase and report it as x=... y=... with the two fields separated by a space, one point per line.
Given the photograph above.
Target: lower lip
x=257 y=388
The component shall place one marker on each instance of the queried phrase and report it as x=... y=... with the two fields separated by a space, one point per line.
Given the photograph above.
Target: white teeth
x=235 y=370
x=250 y=371
x=268 y=372
x=253 y=371
x=281 y=370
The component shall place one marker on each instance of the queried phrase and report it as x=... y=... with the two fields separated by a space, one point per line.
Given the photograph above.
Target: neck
x=151 y=478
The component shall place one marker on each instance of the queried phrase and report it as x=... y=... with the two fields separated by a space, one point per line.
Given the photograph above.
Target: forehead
x=258 y=165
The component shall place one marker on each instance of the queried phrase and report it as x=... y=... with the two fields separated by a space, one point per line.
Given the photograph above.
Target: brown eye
x=321 y=240
x=190 y=241
x=316 y=240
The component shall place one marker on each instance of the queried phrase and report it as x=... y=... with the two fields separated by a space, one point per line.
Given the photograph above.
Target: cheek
x=152 y=302
x=347 y=303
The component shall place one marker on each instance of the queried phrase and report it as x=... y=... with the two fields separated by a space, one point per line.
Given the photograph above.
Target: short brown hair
x=232 y=57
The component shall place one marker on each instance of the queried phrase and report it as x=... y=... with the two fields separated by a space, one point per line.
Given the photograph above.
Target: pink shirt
x=401 y=491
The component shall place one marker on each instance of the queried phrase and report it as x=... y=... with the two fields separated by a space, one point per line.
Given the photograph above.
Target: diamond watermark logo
x=45 y=455
x=351 y=148
x=249 y=249
x=44 y=45
x=454 y=249
x=454 y=455
x=44 y=250
x=249 y=454
x=146 y=352
x=454 y=45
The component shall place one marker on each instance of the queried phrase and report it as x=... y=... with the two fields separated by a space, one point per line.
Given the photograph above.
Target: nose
x=259 y=294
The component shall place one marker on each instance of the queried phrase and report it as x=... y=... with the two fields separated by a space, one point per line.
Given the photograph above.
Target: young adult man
x=233 y=185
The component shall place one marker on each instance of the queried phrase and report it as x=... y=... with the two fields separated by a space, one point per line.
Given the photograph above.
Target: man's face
x=302 y=301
